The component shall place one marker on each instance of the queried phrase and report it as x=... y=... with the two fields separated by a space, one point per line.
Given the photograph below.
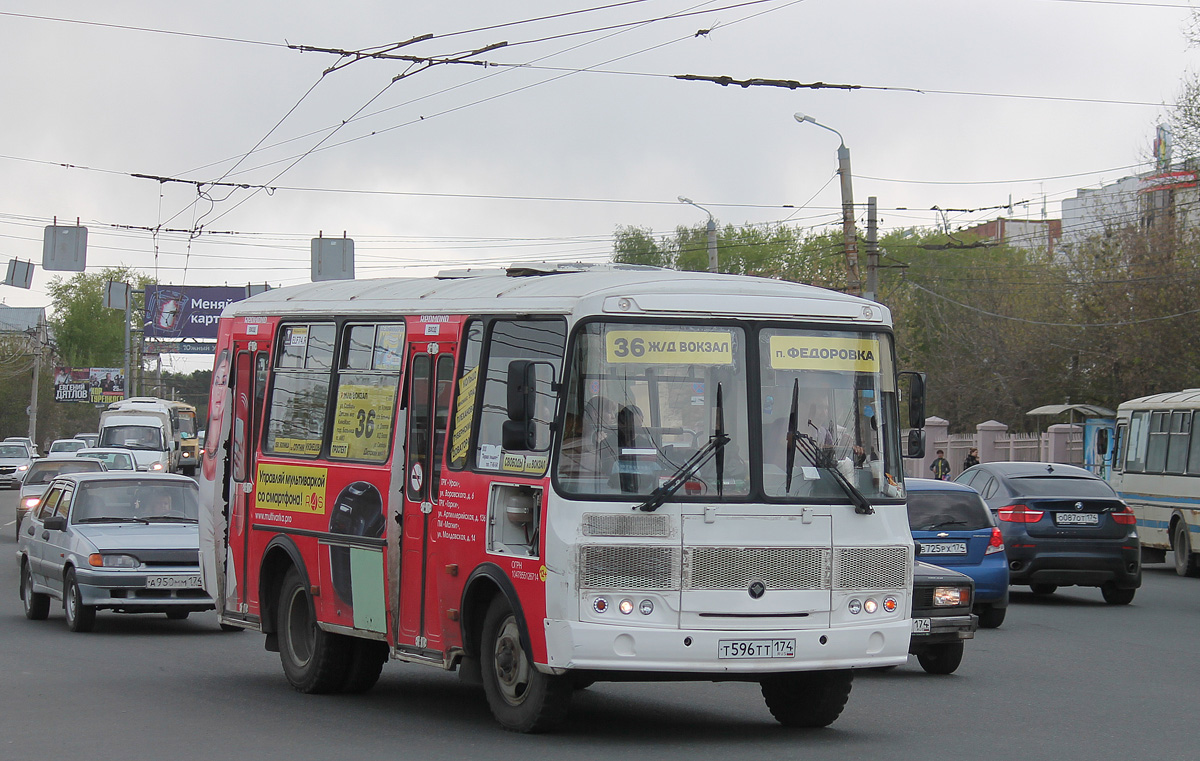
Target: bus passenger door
x=249 y=387
x=430 y=386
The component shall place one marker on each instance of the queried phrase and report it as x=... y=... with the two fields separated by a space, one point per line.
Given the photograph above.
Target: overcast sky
x=458 y=164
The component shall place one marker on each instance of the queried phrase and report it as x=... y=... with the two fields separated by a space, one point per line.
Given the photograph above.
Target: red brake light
x=1020 y=514
x=1124 y=515
x=996 y=544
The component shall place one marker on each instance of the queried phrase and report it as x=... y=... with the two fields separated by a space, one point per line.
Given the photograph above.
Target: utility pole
x=853 y=283
x=712 y=233
x=872 y=291
x=38 y=336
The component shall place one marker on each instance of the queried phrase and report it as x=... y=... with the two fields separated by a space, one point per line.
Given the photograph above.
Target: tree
x=85 y=332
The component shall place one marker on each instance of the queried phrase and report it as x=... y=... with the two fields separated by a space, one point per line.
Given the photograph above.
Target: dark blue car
x=955 y=529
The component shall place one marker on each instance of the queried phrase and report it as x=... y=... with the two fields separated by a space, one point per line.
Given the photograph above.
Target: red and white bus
x=549 y=476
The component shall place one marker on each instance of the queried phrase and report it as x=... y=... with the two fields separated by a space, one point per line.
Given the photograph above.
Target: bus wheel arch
x=280 y=556
x=486 y=583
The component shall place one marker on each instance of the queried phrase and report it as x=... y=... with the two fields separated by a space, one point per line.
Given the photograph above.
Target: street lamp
x=712 y=233
x=848 y=233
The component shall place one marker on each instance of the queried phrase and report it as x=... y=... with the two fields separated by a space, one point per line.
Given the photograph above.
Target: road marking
x=13 y=521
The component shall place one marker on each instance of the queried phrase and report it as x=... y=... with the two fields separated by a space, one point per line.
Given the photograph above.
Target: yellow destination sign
x=860 y=355
x=291 y=488
x=669 y=347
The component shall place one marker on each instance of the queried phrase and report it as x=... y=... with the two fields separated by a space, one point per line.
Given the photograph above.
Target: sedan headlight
x=22 y=468
x=30 y=502
x=156 y=466
x=951 y=596
x=113 y=561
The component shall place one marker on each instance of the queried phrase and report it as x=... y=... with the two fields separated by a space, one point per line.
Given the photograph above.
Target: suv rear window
x=950 y=510
x=1051 y=486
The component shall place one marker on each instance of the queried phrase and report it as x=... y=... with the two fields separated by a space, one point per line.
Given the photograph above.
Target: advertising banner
x=185 y=311
x=92 y=385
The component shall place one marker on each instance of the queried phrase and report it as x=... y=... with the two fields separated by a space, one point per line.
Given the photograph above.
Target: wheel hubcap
x=511 y=666
x=70 y=610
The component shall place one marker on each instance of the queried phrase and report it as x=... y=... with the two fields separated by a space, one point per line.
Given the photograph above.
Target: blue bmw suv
x=955 y=529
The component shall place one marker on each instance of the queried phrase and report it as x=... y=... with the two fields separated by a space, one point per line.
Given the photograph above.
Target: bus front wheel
x=1181 y=543
x=521 y=698
x=314 y=660
x=807 y=698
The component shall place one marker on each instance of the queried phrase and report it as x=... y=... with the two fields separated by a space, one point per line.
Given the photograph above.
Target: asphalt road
x=1066 y=677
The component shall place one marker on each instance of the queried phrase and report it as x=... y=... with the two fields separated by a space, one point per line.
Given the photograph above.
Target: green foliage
x=86 y=333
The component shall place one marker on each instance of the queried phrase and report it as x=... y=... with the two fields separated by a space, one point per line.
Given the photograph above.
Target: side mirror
x=55 y=523
x=521 y=389
x=1102 y=441
x=916 y=398
x=916 y=443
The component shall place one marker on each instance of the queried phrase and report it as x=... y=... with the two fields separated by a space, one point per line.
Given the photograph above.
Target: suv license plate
x=1077 y=519
x=756 y=648
x=944 y=548
x=920 y=626
x=172 y=582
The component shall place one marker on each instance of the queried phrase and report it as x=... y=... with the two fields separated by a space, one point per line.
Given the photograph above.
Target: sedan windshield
x=642 y=401
x=145 y=500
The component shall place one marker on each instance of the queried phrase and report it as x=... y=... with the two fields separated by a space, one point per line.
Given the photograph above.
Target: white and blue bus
x=1157 y=473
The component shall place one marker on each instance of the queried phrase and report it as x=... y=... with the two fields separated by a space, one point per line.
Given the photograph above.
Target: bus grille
x=601 y=524
x=606 y=566
x=737 y=567
x=870 y=567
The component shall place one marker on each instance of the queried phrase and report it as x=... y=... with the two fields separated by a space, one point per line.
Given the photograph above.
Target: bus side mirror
x=1102 y=441
x=518 y=432
x=916 y=443
x=916 y=398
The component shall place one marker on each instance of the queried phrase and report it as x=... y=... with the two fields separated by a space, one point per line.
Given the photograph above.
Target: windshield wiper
x=170 y=519
x=946 y=523
x=714 y=448
x=807 y=446
x=112 y=519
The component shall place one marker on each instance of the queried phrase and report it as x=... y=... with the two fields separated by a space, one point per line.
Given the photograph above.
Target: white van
x=144 y=435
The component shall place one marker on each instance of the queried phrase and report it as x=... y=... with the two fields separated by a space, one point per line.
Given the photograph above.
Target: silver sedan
x=113 y=541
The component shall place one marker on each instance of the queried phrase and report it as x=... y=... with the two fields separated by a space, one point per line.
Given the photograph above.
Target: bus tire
x=37 y=605
x=314 y=660
x=521 y=698
x=941 y=659
x=808 y=698
x=188 y=471
x=366 y=662
x=1186 y=561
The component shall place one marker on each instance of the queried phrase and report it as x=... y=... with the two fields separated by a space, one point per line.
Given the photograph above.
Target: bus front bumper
x=577 y=645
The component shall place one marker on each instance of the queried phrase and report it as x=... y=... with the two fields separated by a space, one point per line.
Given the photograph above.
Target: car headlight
x=22 y=468
x=156 y=466
x=30 y=502
x=113 y=561
x=951 y=596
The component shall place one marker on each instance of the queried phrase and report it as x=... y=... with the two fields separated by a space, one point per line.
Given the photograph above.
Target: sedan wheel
x=37 y=606
x=80 y=617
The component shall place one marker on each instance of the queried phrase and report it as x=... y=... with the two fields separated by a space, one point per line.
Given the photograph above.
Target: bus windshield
x=833 y=393
x=642 y=400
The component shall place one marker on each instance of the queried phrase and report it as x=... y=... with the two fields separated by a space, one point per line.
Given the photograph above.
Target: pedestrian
x=940 y=467
x=972 y=458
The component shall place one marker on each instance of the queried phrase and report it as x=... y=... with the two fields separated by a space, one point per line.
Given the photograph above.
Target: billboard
x=91 y=385
x=185 y=311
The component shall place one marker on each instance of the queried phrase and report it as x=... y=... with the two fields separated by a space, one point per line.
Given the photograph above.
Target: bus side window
x=1193 y=466
x=466 y=394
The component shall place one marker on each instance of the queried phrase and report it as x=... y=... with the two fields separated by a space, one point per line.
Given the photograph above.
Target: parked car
x=38 y=477
x=1062 y=526
x=941 y=616
x=65 y=447
x=955 y=529
x=90 y=438
x=126 y=542
x=15 y=459
x=112 y=457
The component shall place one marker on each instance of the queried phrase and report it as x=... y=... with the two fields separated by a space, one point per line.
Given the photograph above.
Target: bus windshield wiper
x=714 y=448
x=807 y=446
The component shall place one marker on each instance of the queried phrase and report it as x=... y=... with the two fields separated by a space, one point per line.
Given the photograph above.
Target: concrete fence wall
x=1059 y=443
